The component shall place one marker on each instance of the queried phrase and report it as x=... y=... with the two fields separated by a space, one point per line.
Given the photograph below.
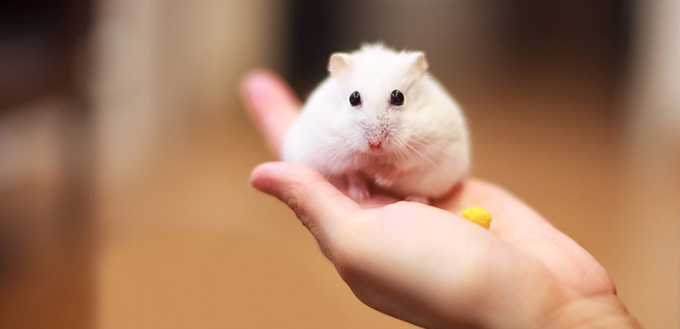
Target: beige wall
x=160 y=64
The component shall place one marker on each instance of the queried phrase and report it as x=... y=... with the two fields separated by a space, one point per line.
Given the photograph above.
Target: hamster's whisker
x=397 y=153
x=398 y=150
x=416 y=151
x=404 y=149
x=431 y=146
x=338 y=153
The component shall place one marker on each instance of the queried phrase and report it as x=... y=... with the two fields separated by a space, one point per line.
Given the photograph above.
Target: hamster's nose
x=375 y=144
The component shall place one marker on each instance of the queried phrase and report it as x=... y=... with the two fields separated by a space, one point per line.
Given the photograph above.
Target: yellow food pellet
x=477 y=215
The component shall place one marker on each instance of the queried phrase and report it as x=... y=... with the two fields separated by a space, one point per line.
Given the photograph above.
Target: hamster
x=381 y=120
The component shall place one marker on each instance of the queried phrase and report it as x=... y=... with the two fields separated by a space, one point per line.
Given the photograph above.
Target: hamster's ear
x=339 y=63
x=419 y=64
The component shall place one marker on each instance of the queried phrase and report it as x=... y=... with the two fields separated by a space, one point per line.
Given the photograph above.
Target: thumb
x=320 y=206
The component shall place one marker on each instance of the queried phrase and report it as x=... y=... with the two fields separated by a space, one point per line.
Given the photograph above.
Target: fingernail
x=260 y=182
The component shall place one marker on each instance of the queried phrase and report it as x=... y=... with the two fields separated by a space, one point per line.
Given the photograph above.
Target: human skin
x=426 y=264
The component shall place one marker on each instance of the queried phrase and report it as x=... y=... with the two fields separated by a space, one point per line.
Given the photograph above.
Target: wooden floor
x=187 y=243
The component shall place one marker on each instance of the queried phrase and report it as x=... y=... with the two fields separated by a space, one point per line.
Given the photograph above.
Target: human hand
x=426 y=264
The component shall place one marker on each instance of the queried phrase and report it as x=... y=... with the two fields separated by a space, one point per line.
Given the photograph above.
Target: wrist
x=606 y=311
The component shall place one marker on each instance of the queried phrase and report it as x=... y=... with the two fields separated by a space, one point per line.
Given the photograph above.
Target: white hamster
x=381 y=120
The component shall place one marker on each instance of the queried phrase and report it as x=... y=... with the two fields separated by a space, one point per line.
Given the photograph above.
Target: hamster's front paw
x=384 y=178
x=357 y=187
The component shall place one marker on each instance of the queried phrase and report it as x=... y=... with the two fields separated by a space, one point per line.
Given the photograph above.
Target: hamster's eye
x=355 y=98
x=397 y=98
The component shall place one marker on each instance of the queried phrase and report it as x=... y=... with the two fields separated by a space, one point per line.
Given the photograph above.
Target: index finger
x=272 y=104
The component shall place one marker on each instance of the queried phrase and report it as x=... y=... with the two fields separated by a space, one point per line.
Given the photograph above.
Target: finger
x=321 y=207
x=272 y=104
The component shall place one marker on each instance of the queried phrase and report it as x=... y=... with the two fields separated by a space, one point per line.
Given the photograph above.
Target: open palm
x=426 y=264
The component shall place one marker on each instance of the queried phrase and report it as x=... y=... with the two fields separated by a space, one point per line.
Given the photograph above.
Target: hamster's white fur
x=418 y=150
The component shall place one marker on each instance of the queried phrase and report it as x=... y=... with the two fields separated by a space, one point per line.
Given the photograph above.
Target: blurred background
x=125 y=150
